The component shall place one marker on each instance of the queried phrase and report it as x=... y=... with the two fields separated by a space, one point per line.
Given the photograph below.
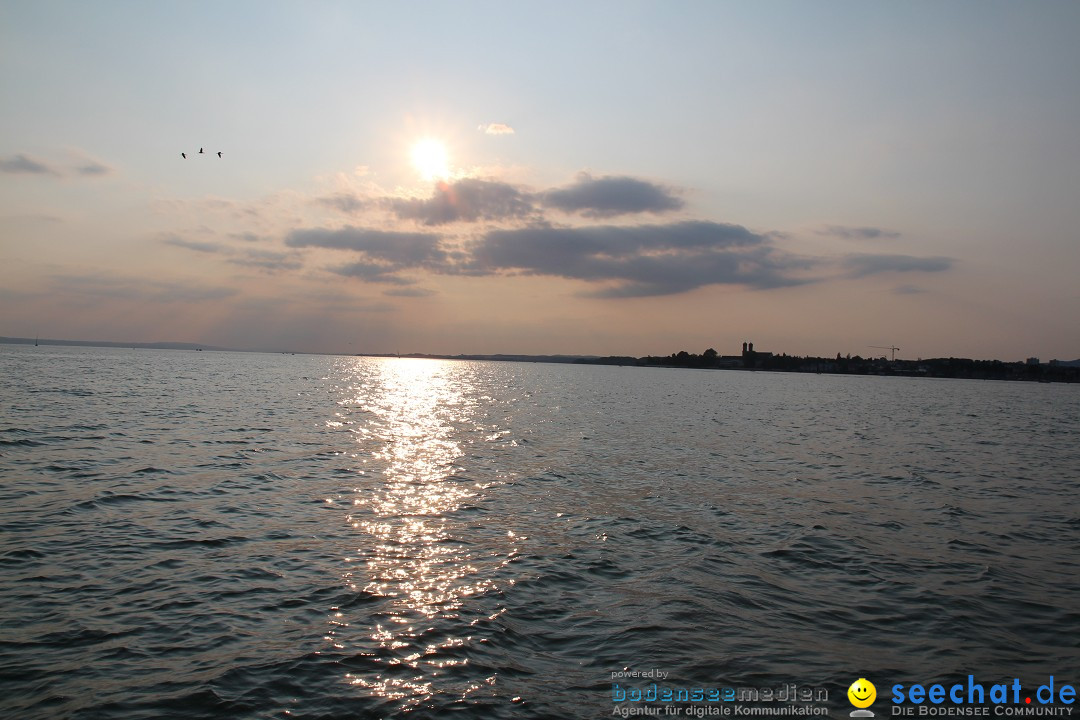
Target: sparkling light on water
x=408 y=549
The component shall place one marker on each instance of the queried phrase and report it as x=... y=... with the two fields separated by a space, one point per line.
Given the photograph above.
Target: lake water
x=200 y=534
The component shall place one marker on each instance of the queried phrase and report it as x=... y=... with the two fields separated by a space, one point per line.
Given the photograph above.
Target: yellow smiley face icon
x=862 y=693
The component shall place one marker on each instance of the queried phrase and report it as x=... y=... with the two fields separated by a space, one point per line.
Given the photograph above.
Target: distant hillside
x=106 y=343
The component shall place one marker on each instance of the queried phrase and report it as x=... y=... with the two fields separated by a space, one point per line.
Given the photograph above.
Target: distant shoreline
x=955 y=368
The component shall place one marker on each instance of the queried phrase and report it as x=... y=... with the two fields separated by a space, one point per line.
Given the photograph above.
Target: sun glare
x=429 y=157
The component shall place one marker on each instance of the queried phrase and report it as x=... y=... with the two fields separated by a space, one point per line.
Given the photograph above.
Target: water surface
x=269 y=536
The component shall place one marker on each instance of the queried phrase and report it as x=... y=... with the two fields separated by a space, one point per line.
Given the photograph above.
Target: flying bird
x=183 y=155
x=200 y=151
x=219 y=153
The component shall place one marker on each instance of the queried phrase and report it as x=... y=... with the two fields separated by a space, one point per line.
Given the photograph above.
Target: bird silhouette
x=200 y=151
x=219 y=153
x=183 y=155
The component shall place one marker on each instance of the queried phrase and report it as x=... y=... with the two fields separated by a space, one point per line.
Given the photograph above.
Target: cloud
x=401 y=249
x=621 y=261
x=203 y=247
x=908 y=290
x=384 y=254
x=23 y=164
x=609 y=196
x=269 y=260
x=409 y=292
x=476 y=200
x=346 y=202
x=468 y=200
x=496 y=129
x=617 y=260
x=641 y=260
x=26 y=165
x=93 y=168
x=137 y=289
x=374 y=272
x=863 y=265
x=858 y=233
x=259 y=259
x=248 y=237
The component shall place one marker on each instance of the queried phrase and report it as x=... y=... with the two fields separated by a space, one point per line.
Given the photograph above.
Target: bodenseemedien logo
x=653 y=692
x=862 y=694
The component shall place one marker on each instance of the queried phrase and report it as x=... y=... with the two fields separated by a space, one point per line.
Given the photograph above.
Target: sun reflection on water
x=414 y=561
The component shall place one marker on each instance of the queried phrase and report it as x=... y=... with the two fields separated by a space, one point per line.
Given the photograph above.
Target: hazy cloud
x=496 y=129
x=608 y=196
x=137 y=289
x=93 y=168
x=409 y=292
x=908 y=290
x=23 y=164
x=203 y=247
x=34 y=218
x=858 y=233
x=268 y=260
x=346 y=202
x=641 y=260
x=468 y=200
x=248 y=237
x=259 y=259
x=862 y=265
x=374 y=272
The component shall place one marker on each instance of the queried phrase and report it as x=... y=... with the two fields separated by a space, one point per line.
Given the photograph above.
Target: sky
x=604 y=178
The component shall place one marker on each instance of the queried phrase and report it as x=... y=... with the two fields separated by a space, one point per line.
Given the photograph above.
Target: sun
x=430 y=158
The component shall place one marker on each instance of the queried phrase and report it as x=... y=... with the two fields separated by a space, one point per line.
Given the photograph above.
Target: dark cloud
x=617 y=260
x=640 y=260
x=23 y=164
x=862 y=265
x=473 y=200
x=400 y=249
x=625 y=261
x=608 y=196
x=384 y=255
x=468 y=200
x=552 y=246
x=858 y=233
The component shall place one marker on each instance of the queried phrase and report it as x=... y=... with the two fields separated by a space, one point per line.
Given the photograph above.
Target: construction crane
x=882 y=347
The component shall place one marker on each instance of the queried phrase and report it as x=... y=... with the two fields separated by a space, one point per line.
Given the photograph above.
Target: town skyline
x=710 y=358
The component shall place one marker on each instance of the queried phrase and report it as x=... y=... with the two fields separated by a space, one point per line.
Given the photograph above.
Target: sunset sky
x=585 y=177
